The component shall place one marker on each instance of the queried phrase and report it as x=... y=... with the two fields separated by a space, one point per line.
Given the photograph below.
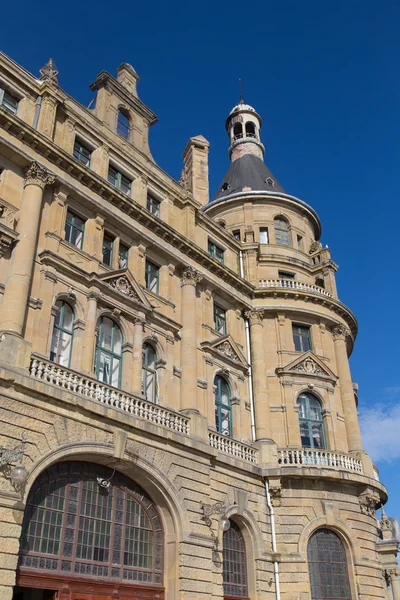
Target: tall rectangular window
x=152 y=276
x=153 y=206
x=108 y=244
x=236 y=234
x=302 y=338
x=299 y=242
x=215 y=251
x=82 y=153
x=264 y=235
x=8 y=101
x=74 y=229
x=118 y=180
x=123 y=256
x=219 y=319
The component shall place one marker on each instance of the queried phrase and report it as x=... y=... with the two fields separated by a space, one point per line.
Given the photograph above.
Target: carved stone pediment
x=226 y=348
x=7 y=238
x=308 y=365
x=123 y=282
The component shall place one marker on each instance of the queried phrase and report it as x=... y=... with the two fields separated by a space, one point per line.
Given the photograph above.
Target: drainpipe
x=246 y=325
x=37 y=112
x=273 y=536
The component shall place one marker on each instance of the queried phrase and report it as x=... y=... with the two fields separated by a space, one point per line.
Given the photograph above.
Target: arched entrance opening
x=88 y=534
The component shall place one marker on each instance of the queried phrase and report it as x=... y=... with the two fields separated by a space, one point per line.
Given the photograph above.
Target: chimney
x=195 y=163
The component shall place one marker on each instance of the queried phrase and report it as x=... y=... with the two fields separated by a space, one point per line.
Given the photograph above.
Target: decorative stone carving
x=7 y=215
x=340 y=332
x=49 y=72
x=191 y=276
x=275 y=491
x=254 y=316
x=389 y=575
x=123 y=286
x=212 y=509
x=35 y=174
x=226 y=349
x=309 y=366
x=368 y=502
x=315 y=246
x=7 y=239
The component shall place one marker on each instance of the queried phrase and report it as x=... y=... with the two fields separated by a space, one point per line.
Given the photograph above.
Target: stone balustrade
x=233 y=447
x=293 y=284
x=49 y=372
x=319 y=458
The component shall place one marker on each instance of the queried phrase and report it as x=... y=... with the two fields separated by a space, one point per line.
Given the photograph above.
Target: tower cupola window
x=250 y=129
x=237 y=131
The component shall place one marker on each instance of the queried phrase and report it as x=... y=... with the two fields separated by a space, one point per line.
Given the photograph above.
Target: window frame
x=74 y=227
x=82 y=146
x=4 y=92
x=61 y=328
x=338 y=561
x=118 y=182
x=156 y=274
x=286 y=275
x=149 y=372
x=282 y=234
x=113 y=355
x=124 y=252
x=216 y=252
x=153 y=205
x=299 y=336
x=220 y=319
x=220 y=406
x=309 y=422
x=234 y=555
x=122 y=128
x=109 y=242
x=262 y=231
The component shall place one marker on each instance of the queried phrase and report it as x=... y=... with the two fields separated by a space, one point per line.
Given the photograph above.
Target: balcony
x=232 y=447
x=319 y=458
x=292 y=284
x=49 y=372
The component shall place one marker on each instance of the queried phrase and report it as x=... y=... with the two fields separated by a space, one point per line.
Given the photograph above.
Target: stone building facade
x=178 y=417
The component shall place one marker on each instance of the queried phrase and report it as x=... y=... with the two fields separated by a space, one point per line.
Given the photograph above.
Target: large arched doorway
x=83 y=540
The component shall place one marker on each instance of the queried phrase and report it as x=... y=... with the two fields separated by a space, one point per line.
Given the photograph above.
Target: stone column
x=394 y=578
x=136 y=381
x=190 y=278
x=13 y=312
x=127 y=366
x=259 y=371
x=346 y=390
x=89 y=337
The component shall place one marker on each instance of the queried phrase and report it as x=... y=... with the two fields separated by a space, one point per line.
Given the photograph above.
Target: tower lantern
x=243 y=126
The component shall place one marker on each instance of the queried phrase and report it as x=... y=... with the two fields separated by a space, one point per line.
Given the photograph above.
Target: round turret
x=243 y=126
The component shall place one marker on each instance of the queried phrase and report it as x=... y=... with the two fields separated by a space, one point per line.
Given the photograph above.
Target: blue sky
x=324 y=77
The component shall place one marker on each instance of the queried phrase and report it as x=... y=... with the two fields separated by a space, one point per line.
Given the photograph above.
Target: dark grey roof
x=247 y=171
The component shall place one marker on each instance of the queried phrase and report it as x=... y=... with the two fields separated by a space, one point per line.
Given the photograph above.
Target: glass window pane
x=106 y=333
x=327 y=563
x=115 y=372
x=68 y=317
x=104 y=368
x=305 y=435
x=65 y=342
x=54 y=344
x=117 y=349
x=123 y=256
x=263 y=236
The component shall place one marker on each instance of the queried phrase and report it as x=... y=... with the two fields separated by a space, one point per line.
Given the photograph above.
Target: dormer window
x=270 y=182
x=225 y=187
x=123 y=124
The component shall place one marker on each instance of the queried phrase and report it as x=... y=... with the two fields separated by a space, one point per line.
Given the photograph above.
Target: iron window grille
x=8 y=101
x=152 y=277
x=215 y=251
x=119 y=181
x=223 y=407
x=82 y=153
x=327 y=564
x=219 y=319
x=74 y=229
x=108 y=247
x=302 y=338
x=75 y=528
x=123 y=253
x=149 y=373
x=282 y=235
x=109 y=353
x=62 y=338
x=234 y=563
x=312 y=430
x=153 y=206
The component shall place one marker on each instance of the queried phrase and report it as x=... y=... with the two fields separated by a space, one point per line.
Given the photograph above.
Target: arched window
x=123 y=124
x=237 y=131
x=76 y=528
x=149 y=373
x=234 y=563
x=250 y=129
x=61 y=341
x=327 y=563
x=282 y=236
x=320 y=282
x=312 y=429
x=223 y=408
x=109 y=352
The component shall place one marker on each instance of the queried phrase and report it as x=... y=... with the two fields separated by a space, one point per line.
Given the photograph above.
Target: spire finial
x=241 y=90
x=49 y=72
